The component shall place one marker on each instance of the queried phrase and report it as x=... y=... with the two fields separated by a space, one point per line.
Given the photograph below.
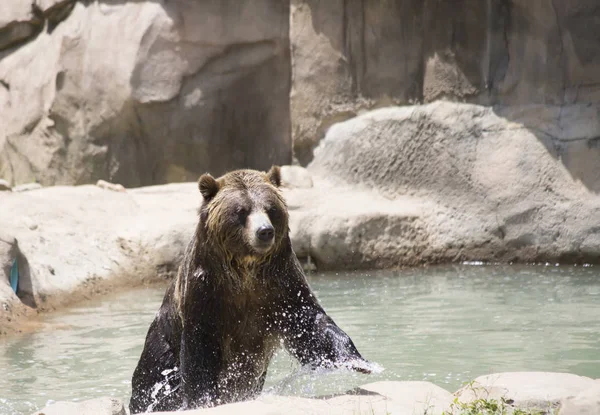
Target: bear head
x=244 y=214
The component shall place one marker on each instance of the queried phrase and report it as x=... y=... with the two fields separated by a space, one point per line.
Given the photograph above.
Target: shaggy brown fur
x=239 y=291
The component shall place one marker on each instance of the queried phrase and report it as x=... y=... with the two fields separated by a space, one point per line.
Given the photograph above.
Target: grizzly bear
x=240 y=292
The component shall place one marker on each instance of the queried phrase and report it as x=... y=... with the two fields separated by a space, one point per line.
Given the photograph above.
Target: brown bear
x=239 y=293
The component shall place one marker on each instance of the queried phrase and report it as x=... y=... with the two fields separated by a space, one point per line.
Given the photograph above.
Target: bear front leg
x=200 y=364
x=315 y=340
x=310 y=335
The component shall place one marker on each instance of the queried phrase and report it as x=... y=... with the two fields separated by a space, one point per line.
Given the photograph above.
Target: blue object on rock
x=14 y=276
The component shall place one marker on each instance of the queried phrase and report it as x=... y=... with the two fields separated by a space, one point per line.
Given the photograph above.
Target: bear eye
x=242 y=214
x=272 y=210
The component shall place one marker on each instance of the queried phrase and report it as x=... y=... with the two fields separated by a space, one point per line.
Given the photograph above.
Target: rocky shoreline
x=400 y=186
x=539 y=393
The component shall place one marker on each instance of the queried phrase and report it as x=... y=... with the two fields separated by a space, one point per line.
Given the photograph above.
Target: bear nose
x=265 y=233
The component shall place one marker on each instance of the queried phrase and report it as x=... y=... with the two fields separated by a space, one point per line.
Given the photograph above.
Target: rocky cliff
x=352 y=55
x=142 y=92
x=145 y=92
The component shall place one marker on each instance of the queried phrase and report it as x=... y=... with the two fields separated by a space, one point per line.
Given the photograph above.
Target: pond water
x=445 y=324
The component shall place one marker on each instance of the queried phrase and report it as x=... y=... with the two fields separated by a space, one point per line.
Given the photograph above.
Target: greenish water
x=446 y=325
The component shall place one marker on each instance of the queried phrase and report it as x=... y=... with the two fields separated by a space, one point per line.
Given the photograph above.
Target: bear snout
x=265 y=233
x=260 y=231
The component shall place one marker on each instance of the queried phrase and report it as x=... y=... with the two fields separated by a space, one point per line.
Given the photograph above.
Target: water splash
x=313 y=382
x=364 y=366
x=164 y=388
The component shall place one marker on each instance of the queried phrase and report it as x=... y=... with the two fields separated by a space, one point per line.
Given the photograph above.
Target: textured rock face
x=72 y=242
x=545 y=392
x=351 y=55
x=489 y=187
x=143 y=92
x=534 y=392
x=398 y=398
x=194 y=86
x=346 y=227
x=586 y=402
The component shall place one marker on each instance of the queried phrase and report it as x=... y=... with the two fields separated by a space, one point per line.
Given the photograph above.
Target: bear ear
x=208 y=186
x=274 y=176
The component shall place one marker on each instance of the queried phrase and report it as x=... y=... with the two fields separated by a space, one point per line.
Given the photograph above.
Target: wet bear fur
x=239 y=293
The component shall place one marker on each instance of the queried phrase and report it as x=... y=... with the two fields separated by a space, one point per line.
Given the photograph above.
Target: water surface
x=446 y=325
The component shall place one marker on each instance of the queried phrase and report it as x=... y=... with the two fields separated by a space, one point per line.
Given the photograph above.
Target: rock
x=22 y=21
x=528 y=390
x=587 y=402
x=186 y=89
x=9 y=251
x=343 y=227
x=399 y=398
x=490 y=189
x=18 y=23
x=177 y=96
x=99 y=406
x=5 y=186
x=295 y=176
x=269 y=405
x=349 y=56
x=12 y=310
x=115 y=187
x=89 y=240
x=414 y=397
x=27 y=187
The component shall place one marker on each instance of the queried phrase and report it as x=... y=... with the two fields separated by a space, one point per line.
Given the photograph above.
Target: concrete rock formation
x=586 y=402
x=547 y=392
x=346 y=227
x=353 y=55
x=142 y=92
x=397 y=398
x=74 y=242
x=489 y=188
x=536 y=391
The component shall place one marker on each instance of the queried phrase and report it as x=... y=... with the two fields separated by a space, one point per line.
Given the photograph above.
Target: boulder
x=489 y=188
x=77 y=241
x=99 y=406
x=268 y=405
x=586 y=402
x=349 y=56
x=414 y=397
x=140 y=93
x=398 y=398
x=345 y=227
x=528 y=390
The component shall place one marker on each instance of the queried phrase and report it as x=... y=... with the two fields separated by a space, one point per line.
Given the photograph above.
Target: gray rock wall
x=143 y=92
x=349 y=55
x=152 y=92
